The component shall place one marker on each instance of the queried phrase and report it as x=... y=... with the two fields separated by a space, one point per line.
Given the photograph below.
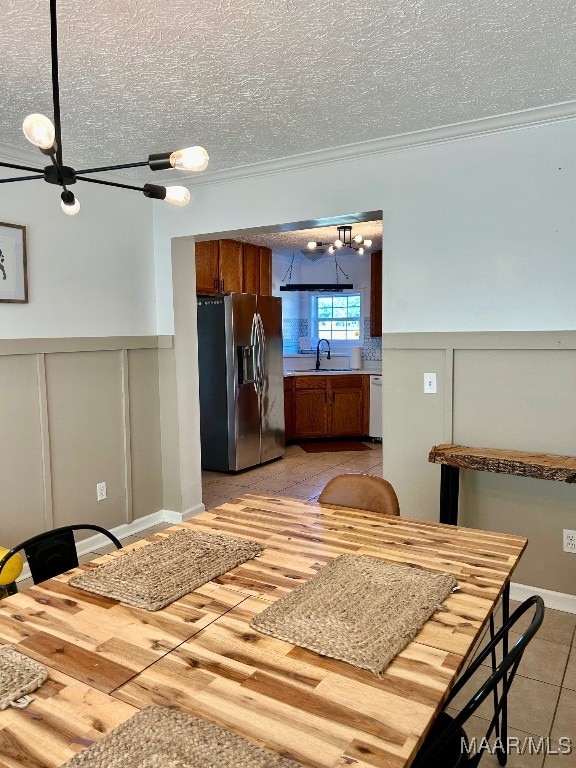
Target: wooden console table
x=453 y=458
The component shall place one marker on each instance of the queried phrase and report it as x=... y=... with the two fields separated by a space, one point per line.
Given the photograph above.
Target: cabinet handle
x=222 y=285
x=216 y=283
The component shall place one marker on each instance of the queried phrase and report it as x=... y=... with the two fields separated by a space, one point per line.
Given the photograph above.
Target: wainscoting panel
x=75 y=412
x=144 y=420
x=22 y=505
x=85 y=416
x=513 y=390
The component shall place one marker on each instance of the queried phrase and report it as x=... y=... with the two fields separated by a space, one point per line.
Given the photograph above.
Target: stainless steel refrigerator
x=241 y=380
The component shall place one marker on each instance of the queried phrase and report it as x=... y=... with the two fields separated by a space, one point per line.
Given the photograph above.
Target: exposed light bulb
x=360 y=250
x=331 y=249
x=190 y=159
x=312 y=245
x=358 y=239
x=39 y=130
x=177 y=195
x=338 y=243
x=367 y=243
x=69 y=203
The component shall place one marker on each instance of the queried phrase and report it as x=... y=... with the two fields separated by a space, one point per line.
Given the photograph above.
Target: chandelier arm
x=55 y=81
x=110 y=183
x=21 y=178
x=112 y=168
x=20 y=167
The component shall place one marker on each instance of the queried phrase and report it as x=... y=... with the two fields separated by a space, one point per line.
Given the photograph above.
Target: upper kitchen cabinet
x=207 y=269
x=251 y=261
x=376 y=294
x=229 y=266
x=265 y=271
x=219 y=267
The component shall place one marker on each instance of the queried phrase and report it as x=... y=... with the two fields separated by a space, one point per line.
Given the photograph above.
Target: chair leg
x=502 y=754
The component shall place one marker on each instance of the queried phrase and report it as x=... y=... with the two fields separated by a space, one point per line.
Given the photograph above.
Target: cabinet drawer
x=346 y=382
x=311 y=382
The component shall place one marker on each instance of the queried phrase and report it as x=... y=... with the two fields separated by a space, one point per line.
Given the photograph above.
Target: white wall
x=88 y=275
x=479 y=233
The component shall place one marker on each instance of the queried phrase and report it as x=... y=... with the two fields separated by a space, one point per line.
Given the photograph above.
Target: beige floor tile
x=564 y=726
x=557 y=627
x=531 y=703
x=24 y=584
x=542 y=659
x=570 y=676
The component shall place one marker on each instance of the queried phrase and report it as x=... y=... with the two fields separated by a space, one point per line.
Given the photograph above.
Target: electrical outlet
x=569 y=541
x=100 y=491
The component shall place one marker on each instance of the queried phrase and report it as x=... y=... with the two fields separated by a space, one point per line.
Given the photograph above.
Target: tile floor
x=543 y=697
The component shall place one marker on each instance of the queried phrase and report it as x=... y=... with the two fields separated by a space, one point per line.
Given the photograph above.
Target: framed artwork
x=13 y=273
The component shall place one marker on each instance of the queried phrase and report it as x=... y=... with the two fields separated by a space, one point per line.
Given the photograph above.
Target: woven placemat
x=159 y=737
x=357 y=609
x=19 y=675
x=155 y=575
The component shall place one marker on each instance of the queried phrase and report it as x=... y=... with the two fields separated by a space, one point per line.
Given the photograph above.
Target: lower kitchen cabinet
x=289 y=415
x=326 y=406
x=310 y=406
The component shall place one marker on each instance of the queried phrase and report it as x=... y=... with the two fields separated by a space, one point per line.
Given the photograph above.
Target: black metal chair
x=446 y=744
x=53 y=552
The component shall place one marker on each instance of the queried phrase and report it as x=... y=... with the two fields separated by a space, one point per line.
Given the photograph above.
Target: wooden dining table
x=106 y=660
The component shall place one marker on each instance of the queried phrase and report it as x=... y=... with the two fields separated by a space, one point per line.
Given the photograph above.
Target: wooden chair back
x=361 y=492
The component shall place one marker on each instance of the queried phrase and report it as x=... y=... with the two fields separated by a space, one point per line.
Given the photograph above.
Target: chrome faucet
x=318 y=352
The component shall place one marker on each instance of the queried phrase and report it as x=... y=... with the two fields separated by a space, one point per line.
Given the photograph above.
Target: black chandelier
x=46 y=135
x=344 y=240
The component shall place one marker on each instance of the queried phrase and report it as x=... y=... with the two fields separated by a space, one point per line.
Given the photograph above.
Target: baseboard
x=126 y=530
x=178 y=517
x=560 y=601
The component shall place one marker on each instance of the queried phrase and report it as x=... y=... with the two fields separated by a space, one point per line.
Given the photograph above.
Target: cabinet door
x=347 y=412
x=230 y=266
x=290 y=432
x=311 y=413
x=265 y=271
x=207 y=267
x=251 y=266
x=376 y=294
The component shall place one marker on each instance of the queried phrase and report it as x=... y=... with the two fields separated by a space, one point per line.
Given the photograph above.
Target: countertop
x=333 y=372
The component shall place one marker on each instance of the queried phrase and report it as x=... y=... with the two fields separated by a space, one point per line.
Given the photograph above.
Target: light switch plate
x=430 y=383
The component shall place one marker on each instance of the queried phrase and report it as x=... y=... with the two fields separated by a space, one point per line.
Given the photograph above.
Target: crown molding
x=454 y=132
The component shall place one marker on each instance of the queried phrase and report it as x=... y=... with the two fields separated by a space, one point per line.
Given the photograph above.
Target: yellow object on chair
x=12 y=569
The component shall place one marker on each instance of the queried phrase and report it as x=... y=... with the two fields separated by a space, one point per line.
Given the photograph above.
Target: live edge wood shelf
x=453 y=458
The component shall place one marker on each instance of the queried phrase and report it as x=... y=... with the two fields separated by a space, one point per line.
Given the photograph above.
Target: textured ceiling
x=288 y=243
x=255 y=81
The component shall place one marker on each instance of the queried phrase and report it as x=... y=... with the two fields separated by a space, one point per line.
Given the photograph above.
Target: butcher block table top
x=106 y=660
x=544 y=466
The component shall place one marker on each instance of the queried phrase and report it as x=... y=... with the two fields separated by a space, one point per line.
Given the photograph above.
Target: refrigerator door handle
x=261 y=351
x=254 y=342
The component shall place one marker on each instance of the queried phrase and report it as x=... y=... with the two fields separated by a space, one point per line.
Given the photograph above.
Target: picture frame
x=13 y=265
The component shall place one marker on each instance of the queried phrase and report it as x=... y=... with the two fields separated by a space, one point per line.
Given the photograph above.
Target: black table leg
x=449 y=487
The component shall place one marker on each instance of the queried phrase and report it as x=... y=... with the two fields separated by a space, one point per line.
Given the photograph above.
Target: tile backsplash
x=294 y=327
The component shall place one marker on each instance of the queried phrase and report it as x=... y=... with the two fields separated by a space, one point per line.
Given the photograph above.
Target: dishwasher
x=375 y=424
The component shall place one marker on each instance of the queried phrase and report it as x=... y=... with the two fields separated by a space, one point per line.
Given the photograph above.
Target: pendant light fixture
x=46 y=135
x=344 y=240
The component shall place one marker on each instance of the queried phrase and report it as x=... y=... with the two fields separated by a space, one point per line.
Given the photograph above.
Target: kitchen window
x=337 y=317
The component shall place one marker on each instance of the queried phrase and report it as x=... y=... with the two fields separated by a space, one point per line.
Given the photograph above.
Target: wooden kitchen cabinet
x=207 y=269
x=326 y=406
x=289 y=414
x=310 y=406
x=376 y=294
x=226 y=266
x=265 y=260
x=346 y=405
x=219 y=266
x=251 y=264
